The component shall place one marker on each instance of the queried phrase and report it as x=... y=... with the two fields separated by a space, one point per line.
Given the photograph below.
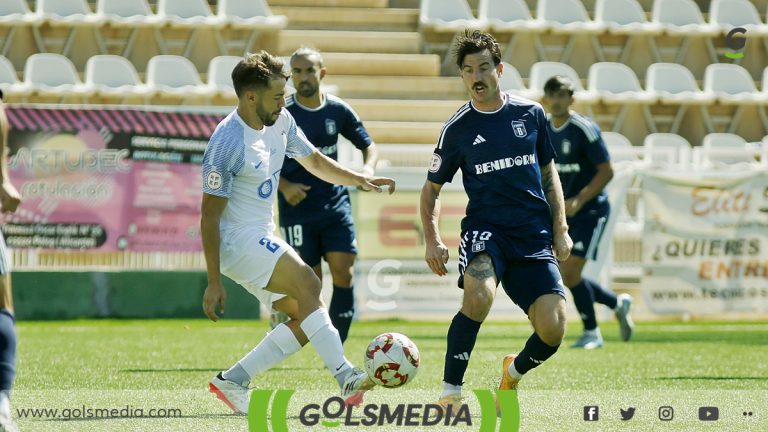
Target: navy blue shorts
x=312 y=240
x=526 y=270
x=586 y=230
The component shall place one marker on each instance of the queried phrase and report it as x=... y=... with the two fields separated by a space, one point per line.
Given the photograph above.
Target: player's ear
x=499 y=69
x=323 y=71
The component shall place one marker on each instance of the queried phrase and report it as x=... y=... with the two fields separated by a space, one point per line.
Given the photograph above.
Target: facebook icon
x=591 y=413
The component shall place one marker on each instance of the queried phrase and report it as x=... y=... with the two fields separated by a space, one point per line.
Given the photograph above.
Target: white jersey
x=243 y=164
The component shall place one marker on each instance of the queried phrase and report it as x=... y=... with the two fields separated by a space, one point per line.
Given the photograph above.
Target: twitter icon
x=628 y=413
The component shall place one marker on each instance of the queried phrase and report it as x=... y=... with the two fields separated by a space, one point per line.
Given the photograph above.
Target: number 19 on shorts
x=293 y=234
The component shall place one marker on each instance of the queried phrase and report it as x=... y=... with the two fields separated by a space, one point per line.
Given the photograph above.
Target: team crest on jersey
x=330 y=127
x=214 y=180
x=434 y=164
x=478 y=246
x=519 y=128
x=265 y=189
x=566 y=146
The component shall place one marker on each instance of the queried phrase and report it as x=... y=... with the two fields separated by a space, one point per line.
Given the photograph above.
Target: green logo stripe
x=257 y=410
x=280 y=410
x=510 y=410
x=487 y=410
x=734 y=55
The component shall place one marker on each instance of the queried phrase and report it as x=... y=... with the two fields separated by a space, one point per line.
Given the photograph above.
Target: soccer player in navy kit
x=316 y=216
x=514 y=230
x=585 y=169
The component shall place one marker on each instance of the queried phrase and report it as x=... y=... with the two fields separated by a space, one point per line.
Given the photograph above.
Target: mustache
x=479 y=84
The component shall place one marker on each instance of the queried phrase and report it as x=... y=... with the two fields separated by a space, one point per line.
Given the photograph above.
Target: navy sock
x=602 y=295
x=584 y=299
x=462 y=335
x=534 y=354
x=342 y=310
x=7 y=350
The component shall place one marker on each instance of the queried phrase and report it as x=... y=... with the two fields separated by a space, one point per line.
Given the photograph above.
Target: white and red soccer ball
x=391 y=359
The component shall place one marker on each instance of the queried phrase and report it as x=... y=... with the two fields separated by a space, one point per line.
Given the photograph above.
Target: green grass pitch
x=135 y=366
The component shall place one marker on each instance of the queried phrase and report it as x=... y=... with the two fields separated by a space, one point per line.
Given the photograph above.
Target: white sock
x=513 y=372
x=274 y=348
x=449 y=389
x=594 y=332
x=5 y=405
x=325 y=339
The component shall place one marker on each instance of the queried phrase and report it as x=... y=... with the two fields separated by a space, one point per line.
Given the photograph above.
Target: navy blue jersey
x=322 y=127
x=580 y=148
x=500 y=154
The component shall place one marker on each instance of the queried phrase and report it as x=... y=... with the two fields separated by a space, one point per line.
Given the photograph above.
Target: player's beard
x=306 y=90
x=266 y=117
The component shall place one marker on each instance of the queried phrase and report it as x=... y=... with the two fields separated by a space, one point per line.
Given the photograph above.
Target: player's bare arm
x=436 y=253
x=370 y=159
x=553 y=191
x=602 y=177
x=9 y=196
x=294 y=193
x=331 y=171
x=215 y=294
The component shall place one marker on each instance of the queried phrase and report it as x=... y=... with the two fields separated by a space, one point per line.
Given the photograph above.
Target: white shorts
x=249 y=258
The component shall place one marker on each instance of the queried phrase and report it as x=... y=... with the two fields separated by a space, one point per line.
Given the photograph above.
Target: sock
x=585 y=304
x=449 y=389
x=7 y=350
x=602 y=295
x=325 y=339
x=534 y=354
x=274 y=348
x=462 y=335
x=342 y=310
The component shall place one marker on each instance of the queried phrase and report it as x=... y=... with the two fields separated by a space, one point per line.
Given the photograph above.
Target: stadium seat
x=569 y=17
x=725 y=148
x=171 y=75
x=666 y=149
x=511 y=17
x=133 y=15
x=732 y=85
x=446 y=17
x=542 y=71
x=674 y=84
x=191 y=15
x=72 y=14
x=727 y=14
x=15 y=13
x=627 y=18
x=220 y=75
x=617 y=84
x=512 y=82
x=620 y=148
x=683 y=18
x=114 y=76
x=9 y=81
x=253 y=15
x=51 y=74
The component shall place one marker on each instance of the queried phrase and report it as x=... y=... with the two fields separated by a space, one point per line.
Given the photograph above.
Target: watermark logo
x=333 y=413
x=736 y=44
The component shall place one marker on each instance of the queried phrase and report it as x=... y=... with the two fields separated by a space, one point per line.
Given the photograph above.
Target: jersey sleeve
x=446 y=158
x=545 y=152
x=222 y=160
x=298 y=145
x=596 y=150
x=353 y=129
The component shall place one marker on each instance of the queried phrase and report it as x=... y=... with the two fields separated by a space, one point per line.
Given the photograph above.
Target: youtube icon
x=709 y=413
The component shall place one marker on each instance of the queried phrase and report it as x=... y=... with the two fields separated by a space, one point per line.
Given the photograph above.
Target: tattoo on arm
x=481 y=267
x=546 y=179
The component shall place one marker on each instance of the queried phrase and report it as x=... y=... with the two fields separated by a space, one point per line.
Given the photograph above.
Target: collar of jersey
x=552 y=125
x=242 y=122
x=322 y=105
x=504 y=100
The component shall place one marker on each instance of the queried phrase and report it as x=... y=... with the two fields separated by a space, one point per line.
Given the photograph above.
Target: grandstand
x=653 y=73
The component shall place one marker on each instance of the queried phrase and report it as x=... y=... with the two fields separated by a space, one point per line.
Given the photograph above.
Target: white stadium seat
x=511 y=17
x=9 y=81
x=727 y=14
x=172 y=75
x=192 y=15
x=627 y=18
x=732 y=85
x=674 y=84
x=512 y=82
x=447 y=16
x=128 y=13
x=620 y=148
x=569 y=17
x=220 y=75
x=666 y=149
x=111 y=75
x=542 y=71
x=617 y=84
x=71 y=14
x=683 y=18
x=13 y=14
x=253 y=15
x=725 y=148
x=53 y=75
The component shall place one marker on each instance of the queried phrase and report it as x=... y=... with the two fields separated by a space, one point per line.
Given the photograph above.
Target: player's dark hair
x=308 y=52
x=255 y=71
x=475 y=41
x=557 y=83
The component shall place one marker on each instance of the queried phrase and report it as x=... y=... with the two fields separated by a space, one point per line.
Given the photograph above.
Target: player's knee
x=570 y=276
x=477 y=305
x=309 y=284
x=342 y=276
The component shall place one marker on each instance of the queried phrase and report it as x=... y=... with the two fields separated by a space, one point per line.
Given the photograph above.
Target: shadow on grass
x=284 y=368
x=719 y=378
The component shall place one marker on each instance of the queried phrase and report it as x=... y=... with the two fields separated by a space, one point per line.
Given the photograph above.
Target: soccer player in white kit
x=241 y=171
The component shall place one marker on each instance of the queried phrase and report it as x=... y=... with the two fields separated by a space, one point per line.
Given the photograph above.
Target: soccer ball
x=391 y=359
